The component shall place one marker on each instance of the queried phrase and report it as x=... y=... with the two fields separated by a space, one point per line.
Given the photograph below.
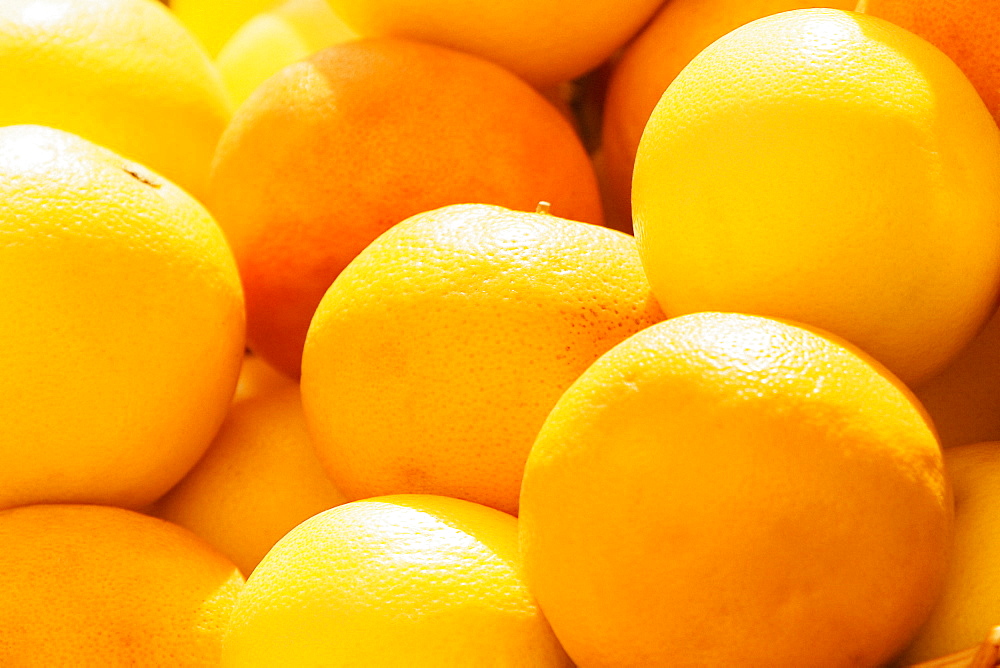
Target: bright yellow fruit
x=435 y=356
x=543 y=41
x=831 y=168
x=970 y=603
x=213 y=22
x=275 y=38
x=406 y=581
x=101 y=586
x=731 y=490
x=124 y=324
x=258 y=479
x=122 y=73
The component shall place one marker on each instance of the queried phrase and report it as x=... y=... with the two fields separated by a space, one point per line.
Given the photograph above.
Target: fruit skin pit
x=145 y=179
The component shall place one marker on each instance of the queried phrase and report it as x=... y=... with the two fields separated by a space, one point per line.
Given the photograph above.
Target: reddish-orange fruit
x=967 y=30
x=332 y=151
x=103 y=586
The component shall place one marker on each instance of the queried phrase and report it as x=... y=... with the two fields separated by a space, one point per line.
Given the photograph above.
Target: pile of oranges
x=409 y=333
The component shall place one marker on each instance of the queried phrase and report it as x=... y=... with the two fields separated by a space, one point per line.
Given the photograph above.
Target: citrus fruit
x=679 y=31
x=102 y=586
x=272 y=39
x=722 y=489
x=408 y=580
x=969 y=32
x=435 y=356
x=124 y=74
x=543 y=42
x=831 y=168
x=125 y=324
x=258 y=479
x=257 y=378
x=333 y=150
x=213 y=22
x=970 y=602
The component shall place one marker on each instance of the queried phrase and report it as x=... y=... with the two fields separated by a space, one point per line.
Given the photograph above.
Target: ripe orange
x=103 y=586
x=436 y=355
x=258 y=479
x=410 y=580
x=678 y=32
x=332 y=151
x=730 y=490
x=124 y=74
x=124 y=325
x=967 y=30
x=544 y=42
x=964 y=399
x=831 y=168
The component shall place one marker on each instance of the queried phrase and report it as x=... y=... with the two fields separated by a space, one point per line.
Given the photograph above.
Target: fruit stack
x=430 y=333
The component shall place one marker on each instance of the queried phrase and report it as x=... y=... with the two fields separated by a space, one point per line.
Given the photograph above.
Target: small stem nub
x=543 y=207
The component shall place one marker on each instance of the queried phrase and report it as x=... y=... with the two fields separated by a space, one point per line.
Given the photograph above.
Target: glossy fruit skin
x=436 y=355
x=831 y=168
x=124 y=74
x=405 y=580
x=125 y=325
x=92 y=585
x=333 y=150
x=705 y=494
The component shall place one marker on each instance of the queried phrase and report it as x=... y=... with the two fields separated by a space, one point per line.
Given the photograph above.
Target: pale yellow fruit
x=831 y=168
x=213 y=22
x=123 y=325
x=407 y=581
x=970 y=602
x=124 y=74
x=275 y=38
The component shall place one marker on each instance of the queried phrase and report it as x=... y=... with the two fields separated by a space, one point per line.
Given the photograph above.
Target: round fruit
x=543 y=42
x=103 y=586
x=331 y=151
x=392 y=581
x=831 y=168
x=678 y=32
x=124 y=74
x=969 y=605
x=257 y=481
x=968 y=31
x=722 y=490
x=124 y=327
x=436 y=355
x=213 y=22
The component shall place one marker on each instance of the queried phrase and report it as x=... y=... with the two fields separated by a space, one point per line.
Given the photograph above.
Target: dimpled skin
x=103 y=586
x=122 y=73
x=831 y=168
x=124 y=325
x=722 y=489
x=968 y=31
x=434 y=358
x=536 y=39
x=331 y=151
x=406 y=580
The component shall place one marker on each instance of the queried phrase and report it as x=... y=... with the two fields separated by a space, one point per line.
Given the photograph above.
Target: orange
x=731 y=490
x=124 y=326
x=678 y=32
x=102 y=586
x=969 y=605
x=122 y=73
x=967 y=30
x=964 y=399
x=545 y=42
x=258 y=479
x=332 y=151
x=435 y=356
x=213 y=22
x=831 y=168
x=272 y=39
x=410 y=580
